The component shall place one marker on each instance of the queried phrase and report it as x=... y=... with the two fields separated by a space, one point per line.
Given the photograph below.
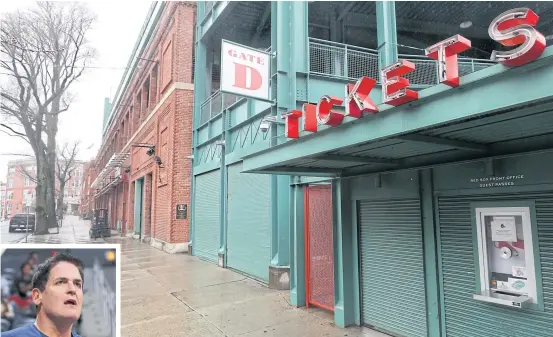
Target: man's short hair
x=40 y=278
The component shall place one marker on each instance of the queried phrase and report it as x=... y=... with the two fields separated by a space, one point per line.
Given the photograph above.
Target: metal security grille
x=318 y=243
x=249 y=222
x=465 y=317
x=392 y=267
x=208 y=215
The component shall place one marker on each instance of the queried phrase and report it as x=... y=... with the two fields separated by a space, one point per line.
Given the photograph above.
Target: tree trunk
x=52 y=127
x=60 y=199
x=41 y=197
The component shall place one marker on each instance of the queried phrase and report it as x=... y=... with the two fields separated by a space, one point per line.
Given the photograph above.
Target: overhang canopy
x=494 y=112
x=116 y=160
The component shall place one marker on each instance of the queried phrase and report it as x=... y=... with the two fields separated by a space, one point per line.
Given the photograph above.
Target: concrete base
x=136 y=236
x=190 y=249
x=221 y=260
x=129 y=234
x=279 y=277
x=171 y=248
x=146 y=239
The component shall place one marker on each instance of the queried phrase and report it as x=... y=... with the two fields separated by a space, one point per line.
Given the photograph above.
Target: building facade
x=21 y=184
x=87 y=200
x=143 y=169
x=2 y=200
x=397 y=173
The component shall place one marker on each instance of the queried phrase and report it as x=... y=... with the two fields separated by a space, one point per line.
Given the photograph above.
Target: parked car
x=19 y=222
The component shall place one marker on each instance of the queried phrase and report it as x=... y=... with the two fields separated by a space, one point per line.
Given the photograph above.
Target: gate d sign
x=511 y=28
x=245 y=71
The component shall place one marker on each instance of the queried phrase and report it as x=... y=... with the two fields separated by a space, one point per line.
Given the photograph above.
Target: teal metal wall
x=249 y=222
x=463 y=316
x=207 y=217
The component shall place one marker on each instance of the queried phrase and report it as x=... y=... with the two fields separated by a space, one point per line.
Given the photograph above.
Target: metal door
x=319 y=259
x=393 y=298
x=249 y=222
x=208 y=215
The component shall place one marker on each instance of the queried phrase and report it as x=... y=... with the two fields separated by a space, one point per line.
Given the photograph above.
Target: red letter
x=358 y=100
x=445 y=53
x=241 y=77
x=394 y=87
x=325 y=114
x=292 y=124
x=310 y=117
x=515 y=27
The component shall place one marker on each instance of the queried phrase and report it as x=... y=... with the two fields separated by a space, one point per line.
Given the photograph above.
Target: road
x=6 y=236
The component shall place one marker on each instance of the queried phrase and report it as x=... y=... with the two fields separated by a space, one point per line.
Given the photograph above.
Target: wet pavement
x=179 y=295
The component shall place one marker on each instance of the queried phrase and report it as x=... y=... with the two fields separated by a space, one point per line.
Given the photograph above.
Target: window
x=11 y=170
x=506 y=260
x=10 y=195
x=27 y=181
x=10 y=183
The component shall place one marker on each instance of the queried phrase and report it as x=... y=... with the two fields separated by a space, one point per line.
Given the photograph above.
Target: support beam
x=262 y=23
x=356 y=159
x=458 y=144
x=297 y=251
x=386 y=33
x=417 y=26
x=346 y=10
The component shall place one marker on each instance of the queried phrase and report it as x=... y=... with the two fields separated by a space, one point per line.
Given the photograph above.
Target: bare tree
x=66 y=165
x=43 y=52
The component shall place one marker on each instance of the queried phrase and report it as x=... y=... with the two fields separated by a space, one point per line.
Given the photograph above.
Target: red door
x=319 y=258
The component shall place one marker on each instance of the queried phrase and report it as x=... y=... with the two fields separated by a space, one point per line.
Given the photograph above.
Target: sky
x=113 y=36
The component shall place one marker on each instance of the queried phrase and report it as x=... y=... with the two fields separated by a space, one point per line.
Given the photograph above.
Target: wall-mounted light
x=127 y=169
x=220 y=142
x=159 y=162
x=465 y=24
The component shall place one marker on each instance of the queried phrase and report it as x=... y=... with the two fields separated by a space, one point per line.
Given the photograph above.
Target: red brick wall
x=182 y=143
x=170 y=129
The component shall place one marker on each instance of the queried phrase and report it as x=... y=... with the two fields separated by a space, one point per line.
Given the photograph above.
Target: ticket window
x=506 y=256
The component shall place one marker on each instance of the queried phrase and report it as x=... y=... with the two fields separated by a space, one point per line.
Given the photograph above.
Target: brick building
x=2 y=200
x=20 y=184
x=143 y=169
x=87 y=200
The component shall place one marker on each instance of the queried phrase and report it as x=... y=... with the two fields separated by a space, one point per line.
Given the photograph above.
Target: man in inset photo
x=57 y=292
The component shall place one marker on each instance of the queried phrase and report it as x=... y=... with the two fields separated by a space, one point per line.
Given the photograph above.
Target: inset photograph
x=60 y=290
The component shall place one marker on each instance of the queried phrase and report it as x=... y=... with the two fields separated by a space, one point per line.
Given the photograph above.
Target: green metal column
x=290 y=42
x=386 y=33
x=138 y=206
x=346 y=270
x=224 y=190
x=430 y=254
x=297 y=253
x=200 y=80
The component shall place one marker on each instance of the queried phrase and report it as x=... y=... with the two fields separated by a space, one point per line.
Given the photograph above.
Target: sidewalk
x=73 y=230
x=166 y=295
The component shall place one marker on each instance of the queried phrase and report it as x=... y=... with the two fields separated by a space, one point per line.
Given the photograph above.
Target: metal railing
x=208 y=6
x=340 y=60
x=215 y=104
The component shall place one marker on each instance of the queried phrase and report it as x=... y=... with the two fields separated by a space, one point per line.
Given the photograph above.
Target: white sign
x=504 y=229
x=518 y=285
x=28 y=202
x=245 y=71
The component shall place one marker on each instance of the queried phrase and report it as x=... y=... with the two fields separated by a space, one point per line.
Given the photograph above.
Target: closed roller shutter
x=249 y=222
x=208 y=215
x=466 y=317
x=392 y=268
